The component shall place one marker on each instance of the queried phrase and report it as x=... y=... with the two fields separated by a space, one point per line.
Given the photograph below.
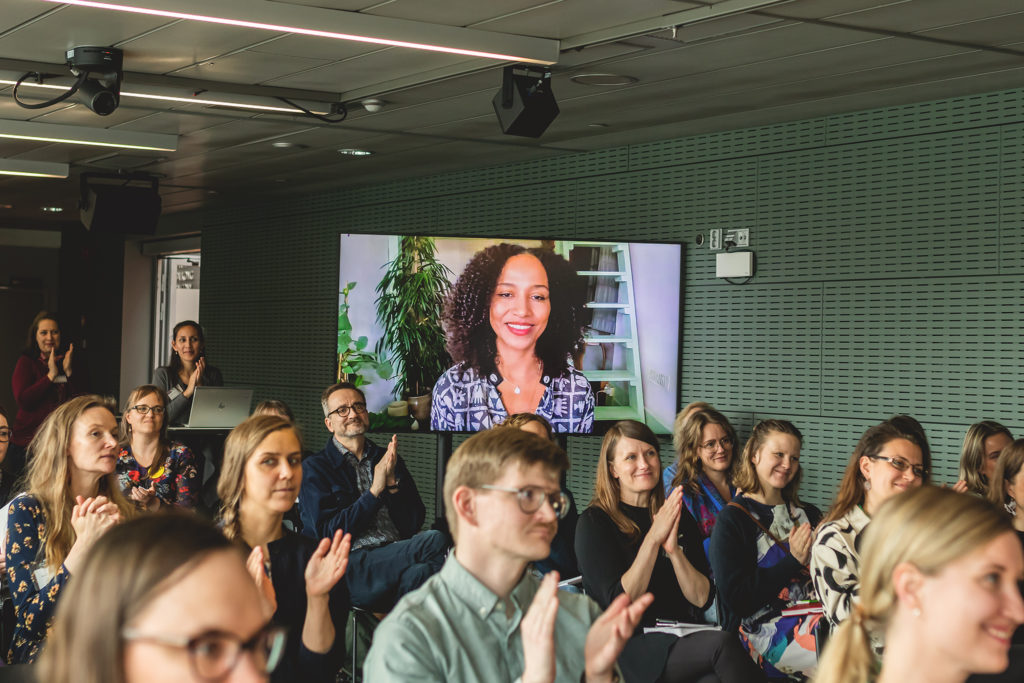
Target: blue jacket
x=330 y=499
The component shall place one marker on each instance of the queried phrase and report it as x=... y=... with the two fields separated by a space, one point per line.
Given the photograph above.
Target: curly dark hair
x=471 y=341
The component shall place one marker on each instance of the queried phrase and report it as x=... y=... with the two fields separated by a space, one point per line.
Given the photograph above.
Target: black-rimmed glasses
x=143 y=409
x=902 y=465
x=215 y=654
x=531 y=498
x=6 y=434
x=343 y=411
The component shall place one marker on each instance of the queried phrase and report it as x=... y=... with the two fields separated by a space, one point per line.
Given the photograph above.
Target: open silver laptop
x=219 y=407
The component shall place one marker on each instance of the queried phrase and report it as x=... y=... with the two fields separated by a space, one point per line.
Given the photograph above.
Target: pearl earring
x=867 y=485
x=917 y=611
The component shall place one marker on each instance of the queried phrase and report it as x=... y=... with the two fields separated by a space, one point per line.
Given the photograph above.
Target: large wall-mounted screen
x=457 y=333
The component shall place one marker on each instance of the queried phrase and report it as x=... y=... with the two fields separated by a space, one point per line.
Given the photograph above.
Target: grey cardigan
x=179 y=405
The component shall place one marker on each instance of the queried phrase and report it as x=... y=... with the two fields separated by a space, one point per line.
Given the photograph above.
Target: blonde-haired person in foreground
x=72 y=498
x=164 y=598
x=939 y=582
x=483 y=617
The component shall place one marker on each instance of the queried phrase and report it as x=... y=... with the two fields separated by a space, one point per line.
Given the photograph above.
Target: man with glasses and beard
x=363 y=489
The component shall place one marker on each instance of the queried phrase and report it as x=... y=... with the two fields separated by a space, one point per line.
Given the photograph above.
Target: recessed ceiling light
x=348 y=151
x=604 y=80
x=282 y=144
x=597 y=125
x=52 y=209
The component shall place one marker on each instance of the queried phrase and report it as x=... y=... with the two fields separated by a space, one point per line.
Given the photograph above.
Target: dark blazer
x=330 y=499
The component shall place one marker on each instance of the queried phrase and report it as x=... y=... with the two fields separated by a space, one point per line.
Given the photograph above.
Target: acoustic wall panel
x=780 y=137
x=755 y=348
x=921 y=118
x=1010 y=246
x=948 y=349
x=544 y=210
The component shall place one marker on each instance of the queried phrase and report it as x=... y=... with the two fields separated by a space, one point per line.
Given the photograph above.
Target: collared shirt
x=453 y=628
x=382 y=529
x=465 y=401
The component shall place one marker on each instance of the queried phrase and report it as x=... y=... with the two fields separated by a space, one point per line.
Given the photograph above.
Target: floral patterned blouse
x=34 y=590
x=176 y=481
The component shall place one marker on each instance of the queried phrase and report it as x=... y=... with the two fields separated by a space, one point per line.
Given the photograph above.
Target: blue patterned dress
x=465 y=401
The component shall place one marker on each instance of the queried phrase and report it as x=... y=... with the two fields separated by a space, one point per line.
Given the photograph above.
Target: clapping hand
x=609 y=634
x=672 y=509
x=51 y=364
x=67 y=360
x=327 y=564
x=800 y=538
x=960 y=486
x=538 y=632
x=145 y=498
x=666 y=520
x=392 y=457
x=256 y=570
x=90 y=518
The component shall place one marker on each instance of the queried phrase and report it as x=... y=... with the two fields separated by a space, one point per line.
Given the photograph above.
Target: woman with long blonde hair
x=300 y=578
x=939 y=585
x=72 y=497
x=633 y=540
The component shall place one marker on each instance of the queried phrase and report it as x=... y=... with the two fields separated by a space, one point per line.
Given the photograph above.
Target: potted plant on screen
x=410 y=302
x=354 y=360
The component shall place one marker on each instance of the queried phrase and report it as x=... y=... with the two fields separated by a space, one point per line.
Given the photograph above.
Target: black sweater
x=604 y=554
x=288 y=557
x=745 y=588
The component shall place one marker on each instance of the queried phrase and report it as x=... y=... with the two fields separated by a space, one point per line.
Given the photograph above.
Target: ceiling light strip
x=172 y=98
x=354 y=26
x=80 y=135
x=33 y=169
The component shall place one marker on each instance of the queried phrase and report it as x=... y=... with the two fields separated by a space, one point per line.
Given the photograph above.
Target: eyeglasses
x=531 y=499
x=214 y=654
x=725 y=442
x=343 y=411
x=6 y=434
x=142 y=409
x=902 y=465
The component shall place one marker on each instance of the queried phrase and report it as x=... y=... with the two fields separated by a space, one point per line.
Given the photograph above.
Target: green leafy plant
x=410 y=302
x=353 y=358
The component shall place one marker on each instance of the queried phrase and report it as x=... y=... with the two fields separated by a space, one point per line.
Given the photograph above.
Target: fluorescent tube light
x=79 y=135
x=343 y=25
x=33 y=169
x=173 y=98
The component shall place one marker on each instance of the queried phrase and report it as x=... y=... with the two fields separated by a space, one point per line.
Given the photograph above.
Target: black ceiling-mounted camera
x=99 y=71
x=102 y=69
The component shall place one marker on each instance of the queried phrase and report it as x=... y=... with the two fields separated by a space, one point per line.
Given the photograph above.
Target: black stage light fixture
x=525 y=105
x=120 y=203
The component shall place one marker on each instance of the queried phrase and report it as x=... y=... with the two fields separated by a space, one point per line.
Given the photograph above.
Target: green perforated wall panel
x=889 y=264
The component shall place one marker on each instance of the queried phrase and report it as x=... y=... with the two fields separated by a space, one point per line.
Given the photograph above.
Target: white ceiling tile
x=47 y=39
x=369 y=69
x=248 y=67
x=184 y=43
x=451 y=12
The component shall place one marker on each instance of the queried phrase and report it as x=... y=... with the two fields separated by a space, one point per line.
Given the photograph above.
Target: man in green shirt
x=484 y=617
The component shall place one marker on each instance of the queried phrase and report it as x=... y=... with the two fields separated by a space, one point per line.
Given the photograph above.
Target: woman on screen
x=513 y=319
